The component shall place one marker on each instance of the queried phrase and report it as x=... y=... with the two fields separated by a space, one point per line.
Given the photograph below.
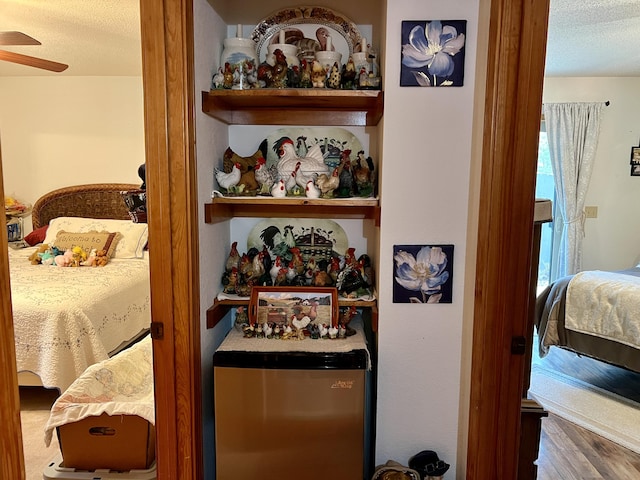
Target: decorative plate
x=332 y=140
x=303 y=26
x=319 y=238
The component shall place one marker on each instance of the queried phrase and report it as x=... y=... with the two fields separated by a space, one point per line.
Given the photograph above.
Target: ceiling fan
x=19 y=38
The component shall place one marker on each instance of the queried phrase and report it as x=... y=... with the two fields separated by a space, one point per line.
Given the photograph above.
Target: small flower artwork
x=422 y=273
x=433 y=53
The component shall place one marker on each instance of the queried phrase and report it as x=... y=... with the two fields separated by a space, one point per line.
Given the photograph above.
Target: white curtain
x=572 y=132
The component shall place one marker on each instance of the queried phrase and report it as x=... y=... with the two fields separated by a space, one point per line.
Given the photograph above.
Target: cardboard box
x=118 y=442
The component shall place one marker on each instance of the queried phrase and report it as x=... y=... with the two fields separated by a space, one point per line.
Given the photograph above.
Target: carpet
x=602 y=412
x=35 y=404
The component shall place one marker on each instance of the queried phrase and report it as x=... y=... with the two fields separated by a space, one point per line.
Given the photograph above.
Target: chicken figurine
x=279 y=190
x=274 y=76
x=311 y=191
x=327 y=184
x=363 y=175
x=348 y=77
x=333 y=79
x=229 y=180
x=312 y=164
x=318 y=75
x=265 y=176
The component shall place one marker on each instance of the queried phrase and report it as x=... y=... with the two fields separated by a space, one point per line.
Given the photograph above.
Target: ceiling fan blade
x=32 y=61
x=17 y=38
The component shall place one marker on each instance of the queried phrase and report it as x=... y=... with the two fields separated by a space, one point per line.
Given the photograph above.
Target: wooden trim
x=167 y=47
x=515 y=70
x=12 y=464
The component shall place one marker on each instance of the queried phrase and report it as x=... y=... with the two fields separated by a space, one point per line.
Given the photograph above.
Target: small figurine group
x=353 y=277
x=303 y=174
x=291 y=330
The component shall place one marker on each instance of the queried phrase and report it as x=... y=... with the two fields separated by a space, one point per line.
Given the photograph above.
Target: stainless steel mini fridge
x=291 y=415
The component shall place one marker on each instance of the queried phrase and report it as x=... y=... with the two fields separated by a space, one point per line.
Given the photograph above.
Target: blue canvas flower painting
x=433 y=53
x=422 y=273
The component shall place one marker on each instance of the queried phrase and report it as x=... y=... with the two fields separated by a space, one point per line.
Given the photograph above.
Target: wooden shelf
x=224 y=208
x=295 y=106
x=220 y=308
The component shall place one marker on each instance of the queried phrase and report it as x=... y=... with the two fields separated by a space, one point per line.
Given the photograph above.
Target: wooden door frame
x=167 y=57
x=513 y=103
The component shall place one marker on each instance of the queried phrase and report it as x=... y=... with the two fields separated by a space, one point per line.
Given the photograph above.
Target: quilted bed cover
x=66 y=319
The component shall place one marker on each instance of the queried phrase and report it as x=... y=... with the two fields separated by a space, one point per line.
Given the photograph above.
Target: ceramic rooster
x=363 y=175
x=327 y=184
x=229 y=180
x=265 y=176
x=305 y=74
x=349 y=71
x=275 y=269
x=234 y=258
x=312 y=164
x=333 y=79
x=274 y=76
x=345 y=187
x=318 y=74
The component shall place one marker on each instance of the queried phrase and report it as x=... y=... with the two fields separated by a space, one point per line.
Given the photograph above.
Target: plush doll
x=65 y=259
x=101 y=258
x=91 y=259
x=78 y=256
x=36 y=257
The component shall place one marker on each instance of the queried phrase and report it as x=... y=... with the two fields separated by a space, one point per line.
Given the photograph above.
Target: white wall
x=61 y=131
x=612 y=240
x=425 y=191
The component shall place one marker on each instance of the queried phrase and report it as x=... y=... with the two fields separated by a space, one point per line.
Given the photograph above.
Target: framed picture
x=294 y=306
x=422 y=274
x=635 y=170
x=432 y=53
x=635 y=156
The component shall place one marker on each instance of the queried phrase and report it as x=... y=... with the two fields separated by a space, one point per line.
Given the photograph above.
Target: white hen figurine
x=312 y=164
x=229 y=180
x=311 y=191
x=278 y=190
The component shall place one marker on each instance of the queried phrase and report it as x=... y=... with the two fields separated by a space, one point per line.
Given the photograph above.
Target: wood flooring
x=569 y=452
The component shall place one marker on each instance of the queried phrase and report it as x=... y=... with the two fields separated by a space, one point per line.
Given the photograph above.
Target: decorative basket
x=314 y=245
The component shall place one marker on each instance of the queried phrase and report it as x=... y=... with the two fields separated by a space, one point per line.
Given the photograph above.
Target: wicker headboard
x=96 y=200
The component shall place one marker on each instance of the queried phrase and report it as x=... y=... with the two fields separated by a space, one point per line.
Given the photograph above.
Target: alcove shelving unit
x=322 y=107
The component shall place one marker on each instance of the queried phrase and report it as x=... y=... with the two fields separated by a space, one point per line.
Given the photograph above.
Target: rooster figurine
x=274 y=76
x=265 y=176
x=327 y=184
x=363 y=175
x=311 y=191
x=318 y=75
x=229 y=180
x=279 y=190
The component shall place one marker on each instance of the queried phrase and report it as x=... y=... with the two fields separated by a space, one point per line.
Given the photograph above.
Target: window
x=545 y=189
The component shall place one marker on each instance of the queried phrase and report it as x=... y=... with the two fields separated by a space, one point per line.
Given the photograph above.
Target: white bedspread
x=606 y=305
x=121 y=385
x=66 y=319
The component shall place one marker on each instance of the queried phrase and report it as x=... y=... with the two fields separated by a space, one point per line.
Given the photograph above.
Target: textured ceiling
x=102 y=37
x=594 y=38
x=94 y=37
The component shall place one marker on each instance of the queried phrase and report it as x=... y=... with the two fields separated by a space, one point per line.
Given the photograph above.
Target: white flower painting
x=422 y=273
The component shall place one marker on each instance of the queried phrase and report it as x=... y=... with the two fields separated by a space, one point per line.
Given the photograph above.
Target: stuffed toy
x=64 y=260
x=101 y=258
x=36 y=257
x=91 y=259
x=78 y=256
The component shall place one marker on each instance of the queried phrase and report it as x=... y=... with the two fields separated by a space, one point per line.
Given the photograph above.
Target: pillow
x=36 y=236
x=106 y=241
x=130 y=245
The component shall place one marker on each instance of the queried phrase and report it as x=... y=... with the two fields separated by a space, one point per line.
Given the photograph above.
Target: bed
x=66 y=319
x=593 y=313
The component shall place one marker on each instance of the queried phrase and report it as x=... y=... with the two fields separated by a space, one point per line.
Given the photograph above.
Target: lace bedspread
x=66 y=319
x=121 y=385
